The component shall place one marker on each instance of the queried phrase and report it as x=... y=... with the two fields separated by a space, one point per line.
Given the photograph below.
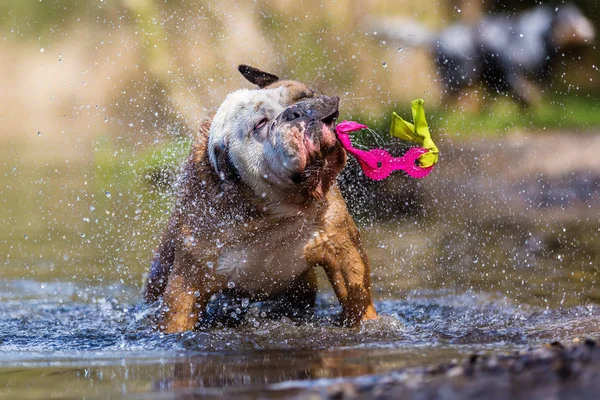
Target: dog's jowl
x=259 y=209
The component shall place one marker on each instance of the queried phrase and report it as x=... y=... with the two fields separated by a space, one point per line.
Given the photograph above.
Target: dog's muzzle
x=323 y=109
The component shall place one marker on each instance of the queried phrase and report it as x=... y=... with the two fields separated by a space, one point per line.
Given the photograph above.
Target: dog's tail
x=401 y=30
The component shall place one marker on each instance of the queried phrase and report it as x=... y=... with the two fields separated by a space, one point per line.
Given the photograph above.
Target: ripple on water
x=72 y=340
x=103 y=322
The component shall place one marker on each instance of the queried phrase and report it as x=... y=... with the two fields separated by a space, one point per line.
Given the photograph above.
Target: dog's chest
x=268 y=260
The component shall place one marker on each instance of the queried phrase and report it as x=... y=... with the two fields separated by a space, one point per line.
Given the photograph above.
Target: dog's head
x=278 y=139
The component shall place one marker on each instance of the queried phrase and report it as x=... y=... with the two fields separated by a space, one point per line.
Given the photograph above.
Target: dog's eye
x=261 y=123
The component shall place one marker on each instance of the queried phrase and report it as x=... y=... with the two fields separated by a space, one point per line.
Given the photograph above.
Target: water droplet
x=42 y=50
x=39 y=133
x=230 y=285
x=107 y=194
x=384 y=64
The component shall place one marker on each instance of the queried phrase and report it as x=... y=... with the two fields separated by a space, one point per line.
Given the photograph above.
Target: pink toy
x=378 y=164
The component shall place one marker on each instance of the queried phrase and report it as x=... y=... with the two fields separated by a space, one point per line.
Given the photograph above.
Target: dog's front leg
x=347 y=267
x=190 y=285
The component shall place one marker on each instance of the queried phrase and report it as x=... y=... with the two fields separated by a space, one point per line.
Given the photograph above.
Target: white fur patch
x=237 y=114
x=264 y=165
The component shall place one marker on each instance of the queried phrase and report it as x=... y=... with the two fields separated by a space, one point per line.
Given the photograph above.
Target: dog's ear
x=221 y=161
x=256 y=76
x=218 y=153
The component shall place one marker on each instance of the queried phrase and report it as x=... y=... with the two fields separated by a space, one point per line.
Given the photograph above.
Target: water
x=492 y=261
x=75 y=340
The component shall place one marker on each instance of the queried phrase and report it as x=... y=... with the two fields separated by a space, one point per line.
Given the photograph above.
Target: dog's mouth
x=324 y=162
x=320 y=137
x=320 y=142
x=324 y=132
x=312 y=155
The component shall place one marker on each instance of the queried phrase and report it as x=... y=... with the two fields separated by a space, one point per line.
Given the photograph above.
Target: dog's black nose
x=293 y=112
x=322 y=108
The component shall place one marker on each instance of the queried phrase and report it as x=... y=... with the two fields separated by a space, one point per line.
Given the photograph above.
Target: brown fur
x=214 y=216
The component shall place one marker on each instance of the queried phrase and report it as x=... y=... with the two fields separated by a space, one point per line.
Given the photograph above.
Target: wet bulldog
x=259 y=209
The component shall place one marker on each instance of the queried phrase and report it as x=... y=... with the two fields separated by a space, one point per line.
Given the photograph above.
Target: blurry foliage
x=124 y=169
x=572 y=111
x=305 y=40
x=498 y=116
x=326 y=44
x=31 y=17
x=133 y=191
x=328 y=47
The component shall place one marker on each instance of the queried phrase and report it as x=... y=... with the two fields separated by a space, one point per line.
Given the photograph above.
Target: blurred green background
x=101 y=97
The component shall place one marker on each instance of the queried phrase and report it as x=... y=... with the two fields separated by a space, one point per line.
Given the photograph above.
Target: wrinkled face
x=280 y=140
